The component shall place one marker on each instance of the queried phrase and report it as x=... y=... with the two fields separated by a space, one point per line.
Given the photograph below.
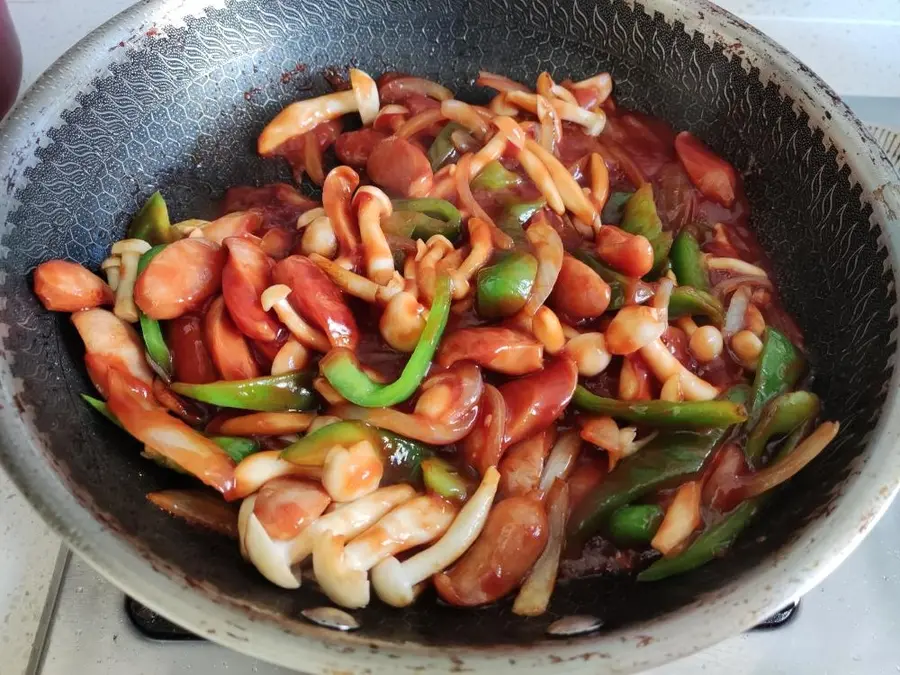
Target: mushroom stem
x=276 y=297
x=371 y=206
x=112 y=266
x=396 y=583
x=569 y=190
x=354 y=284
x=304 y=116
x=664 y=365
x=129 y=252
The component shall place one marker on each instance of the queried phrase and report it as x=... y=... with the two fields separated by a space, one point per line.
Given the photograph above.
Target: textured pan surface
x=171 y=96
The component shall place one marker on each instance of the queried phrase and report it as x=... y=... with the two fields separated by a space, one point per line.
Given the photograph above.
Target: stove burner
x=153 y=626
x=780 y=618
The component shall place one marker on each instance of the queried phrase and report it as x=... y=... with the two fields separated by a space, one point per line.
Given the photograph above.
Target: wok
x=172 y=94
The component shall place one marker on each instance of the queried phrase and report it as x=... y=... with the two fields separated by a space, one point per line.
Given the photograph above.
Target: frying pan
x=171 y=95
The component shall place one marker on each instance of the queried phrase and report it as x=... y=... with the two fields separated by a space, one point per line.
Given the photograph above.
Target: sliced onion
x=463 y=141
x=465 y=380
x=466 y=115
x=723 y=288
x=198 y=508
x=734 y=317
x=534 y=597
x=548 y=249
x=312 y=159
x=403 y=86
x=498 y=82
x=411 y=426
x=467 y=200
x=787 y=467
x=631 y=170
x=551 y=127
x=681 y=519
x=420 y=122
x=483 y=448
x=561 y=459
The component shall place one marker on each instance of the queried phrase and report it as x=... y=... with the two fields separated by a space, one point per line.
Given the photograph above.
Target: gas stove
x=846 y=626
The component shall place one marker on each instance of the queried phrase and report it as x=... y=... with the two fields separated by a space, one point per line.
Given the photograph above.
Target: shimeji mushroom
x=303 y=116
x=129 y=252
x=664 y=365
x=268 y=555
x=342 y=570
x=371 y=206
x=397 y=583
x=276 y=297
x=351 y=473
x=259 y=468
x=112 y=266
x=276 y=558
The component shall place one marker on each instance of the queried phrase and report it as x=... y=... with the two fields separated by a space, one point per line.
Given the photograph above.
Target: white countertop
x=854 y=46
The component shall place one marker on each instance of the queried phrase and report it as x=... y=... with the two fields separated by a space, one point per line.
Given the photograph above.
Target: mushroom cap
x=345 y=586
x=273 y=295
x=268 y=556
x=366 y=92
x=138 y=246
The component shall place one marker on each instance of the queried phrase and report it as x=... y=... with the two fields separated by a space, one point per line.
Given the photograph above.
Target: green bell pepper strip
x=639 y=217
x=343 y=371
x=495 y=177
x=780 y=367
x=502 y=289
x=152 y=222
x=415 y=225
x=782 y=415
x=442 y=149
x=312 y=448
x=102 y=408
x=668 y=459
x=236 y=447
x=618 y=283
x=690 y=301
x=634 y=525
x=712 y=543
x=515 y=215
x=151 y=329
x=277 y=393
x=444 y=480
x=664 y=414
x=612 y=210
x=403 y=456
x=688 y=262
x=443 y=217
x=716 y=539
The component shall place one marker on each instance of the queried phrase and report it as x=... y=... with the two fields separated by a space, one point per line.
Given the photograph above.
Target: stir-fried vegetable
x=665 y=414
x=442 y=149
x=279 y=392
x=495 y=177
x=478 y=294
x=639 y=217
x=515 y=216
x=151 y=329
x=780 y=367
x=344 y=374
x=424 y=218
x=635 y=525
x=503 y=288
x=152 y=222
x=689 y=301
x=669 y=458
x=687 y=262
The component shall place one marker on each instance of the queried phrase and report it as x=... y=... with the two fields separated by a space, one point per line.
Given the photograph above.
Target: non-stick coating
x=180 y=113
